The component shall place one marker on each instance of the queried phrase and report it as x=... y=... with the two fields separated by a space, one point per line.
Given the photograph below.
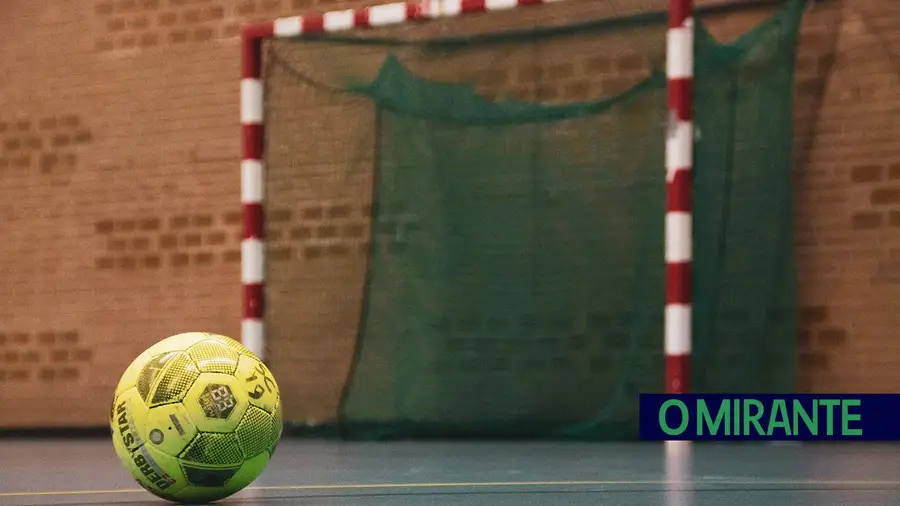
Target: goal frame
x=679 y=154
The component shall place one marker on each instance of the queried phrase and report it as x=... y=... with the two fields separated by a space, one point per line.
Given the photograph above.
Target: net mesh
x=466 y=226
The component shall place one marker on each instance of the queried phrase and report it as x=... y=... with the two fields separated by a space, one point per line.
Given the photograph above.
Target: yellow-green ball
x=196 y=417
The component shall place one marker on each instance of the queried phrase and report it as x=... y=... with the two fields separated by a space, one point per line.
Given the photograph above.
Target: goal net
x=464 y=219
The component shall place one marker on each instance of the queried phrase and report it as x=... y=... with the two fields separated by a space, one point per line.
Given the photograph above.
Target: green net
x=504 y=276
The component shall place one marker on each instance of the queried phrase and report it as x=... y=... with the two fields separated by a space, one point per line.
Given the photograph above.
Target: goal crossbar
x=679 y=154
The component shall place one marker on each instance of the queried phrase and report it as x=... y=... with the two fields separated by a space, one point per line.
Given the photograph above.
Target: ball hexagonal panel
x=169 y=428
x=214 y=356
x=216 y=402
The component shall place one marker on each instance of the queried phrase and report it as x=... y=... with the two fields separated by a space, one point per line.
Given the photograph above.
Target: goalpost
x=677 y=170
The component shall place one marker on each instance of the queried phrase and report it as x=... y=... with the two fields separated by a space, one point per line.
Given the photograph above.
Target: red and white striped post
x=252 y=120
x=252 y=189
x=679 y=159
x=679 y=236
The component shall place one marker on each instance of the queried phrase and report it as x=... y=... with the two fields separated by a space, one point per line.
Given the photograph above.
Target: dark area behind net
x=469 y=230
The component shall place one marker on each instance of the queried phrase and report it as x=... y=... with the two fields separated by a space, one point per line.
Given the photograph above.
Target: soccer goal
x=475 y=216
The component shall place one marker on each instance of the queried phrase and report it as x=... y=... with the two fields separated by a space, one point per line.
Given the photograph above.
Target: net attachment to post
x=463 y=225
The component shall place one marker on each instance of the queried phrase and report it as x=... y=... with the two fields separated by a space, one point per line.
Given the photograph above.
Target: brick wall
x=119 y=188
x=847 y=182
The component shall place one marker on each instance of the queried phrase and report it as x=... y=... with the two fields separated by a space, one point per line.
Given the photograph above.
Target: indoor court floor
x=302 y=472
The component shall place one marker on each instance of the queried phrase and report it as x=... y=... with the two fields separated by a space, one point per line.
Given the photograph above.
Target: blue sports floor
x=86 y=472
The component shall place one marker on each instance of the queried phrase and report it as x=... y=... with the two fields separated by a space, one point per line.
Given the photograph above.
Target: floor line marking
x=496 y=484
x=488 y=484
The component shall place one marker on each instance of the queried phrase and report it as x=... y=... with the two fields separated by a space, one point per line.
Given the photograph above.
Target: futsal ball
x=196 y=417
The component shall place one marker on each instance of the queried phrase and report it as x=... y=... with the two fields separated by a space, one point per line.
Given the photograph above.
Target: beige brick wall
x=119 y=187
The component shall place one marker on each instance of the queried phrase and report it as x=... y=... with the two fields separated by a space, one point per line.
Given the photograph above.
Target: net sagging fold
x=467 y=233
